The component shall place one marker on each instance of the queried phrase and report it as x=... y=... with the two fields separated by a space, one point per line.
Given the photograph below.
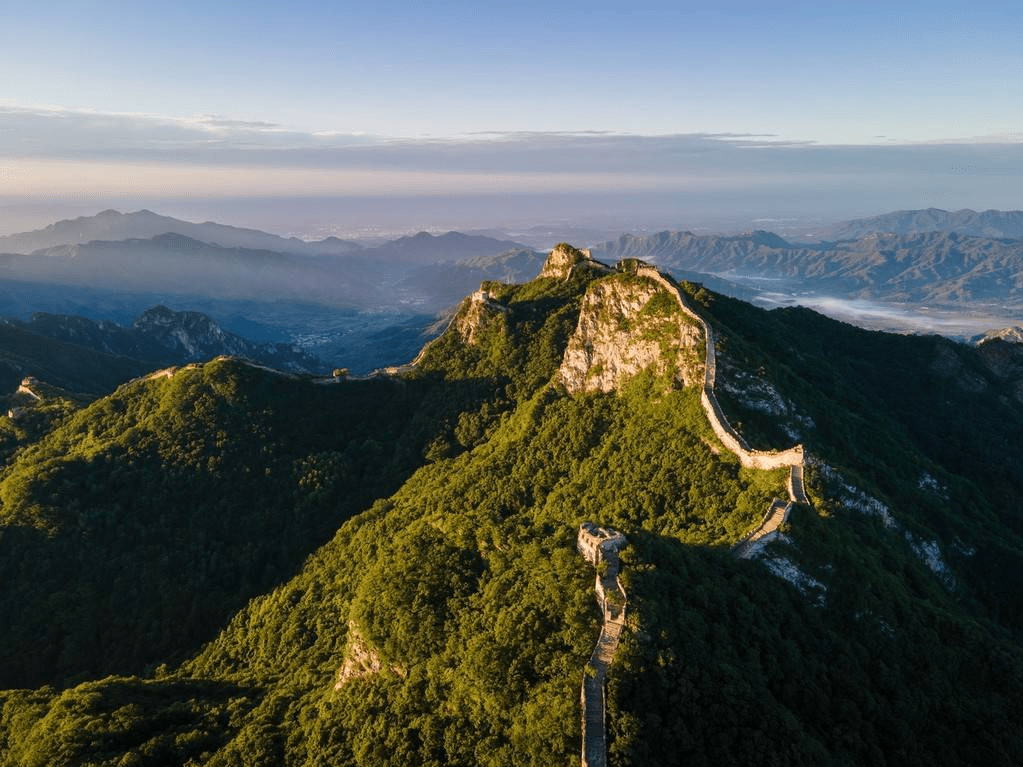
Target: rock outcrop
x=361 y=659
x=476 y=312
x=628 y=324
x=564 y=259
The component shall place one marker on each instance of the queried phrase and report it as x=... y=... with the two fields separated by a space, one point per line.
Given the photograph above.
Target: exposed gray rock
x=476 y=312
x=561 y=260
x=620 y=333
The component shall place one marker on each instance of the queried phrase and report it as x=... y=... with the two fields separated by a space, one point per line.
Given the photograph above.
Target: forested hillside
x=228 y=566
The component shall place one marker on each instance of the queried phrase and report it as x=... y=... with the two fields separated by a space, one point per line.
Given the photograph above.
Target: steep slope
x=192 y=336
x=868 y=631
x=139 y=524
x=67 y=365
x=162 y=336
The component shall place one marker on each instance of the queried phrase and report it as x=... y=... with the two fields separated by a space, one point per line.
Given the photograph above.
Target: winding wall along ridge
x=793 y=458
x=608 y=587
x=756 y=459
x=612 y=597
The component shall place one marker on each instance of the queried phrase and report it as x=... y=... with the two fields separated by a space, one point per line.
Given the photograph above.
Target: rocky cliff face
x=475 y=314
x=477 y=310
x=564 y=258
x=628 y=324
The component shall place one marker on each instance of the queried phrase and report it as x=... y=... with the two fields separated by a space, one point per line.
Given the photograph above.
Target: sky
x=769 y=109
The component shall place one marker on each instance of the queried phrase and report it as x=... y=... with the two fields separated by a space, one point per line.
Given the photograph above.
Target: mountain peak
x=562 y=259
x=627 y=325
x=767 y=239
x=1013 y=334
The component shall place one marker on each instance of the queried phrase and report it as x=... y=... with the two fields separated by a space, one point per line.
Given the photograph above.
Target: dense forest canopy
x=230 y=566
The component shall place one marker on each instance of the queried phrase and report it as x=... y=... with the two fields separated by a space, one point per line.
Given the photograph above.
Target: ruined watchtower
x=596 y=542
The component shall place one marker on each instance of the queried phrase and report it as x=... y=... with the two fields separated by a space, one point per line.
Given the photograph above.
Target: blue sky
x=920 y=103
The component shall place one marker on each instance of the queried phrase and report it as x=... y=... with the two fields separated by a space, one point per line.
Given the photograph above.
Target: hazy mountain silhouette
x=425 y=248
x=175 y=264
x=144 y=224
x=988 y=223
x=932 y=267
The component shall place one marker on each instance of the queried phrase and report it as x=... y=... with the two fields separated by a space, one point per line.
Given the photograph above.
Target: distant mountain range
x=933 y=267
x=92 y=357
x=364 y=307
x=426 y=248
x=340 y=299
x=175 y=264
x=144 y=224
x=931 y=256
x=449 y=282
x=988 y=223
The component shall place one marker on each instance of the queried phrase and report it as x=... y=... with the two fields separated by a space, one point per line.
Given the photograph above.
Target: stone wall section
x=793 y=458
x=775 y=517
x=612 y=599
x=755 y=459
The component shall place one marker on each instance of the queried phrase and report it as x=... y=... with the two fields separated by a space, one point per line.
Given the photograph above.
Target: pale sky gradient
x=859 y=106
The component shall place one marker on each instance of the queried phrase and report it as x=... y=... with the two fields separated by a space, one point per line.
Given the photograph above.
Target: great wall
x=754 y=459
x=601 y=544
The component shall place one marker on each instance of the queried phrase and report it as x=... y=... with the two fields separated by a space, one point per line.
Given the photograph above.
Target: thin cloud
x=56 y=150
x=214 y=122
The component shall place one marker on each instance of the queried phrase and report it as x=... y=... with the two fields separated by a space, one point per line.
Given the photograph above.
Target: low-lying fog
x=962 y=324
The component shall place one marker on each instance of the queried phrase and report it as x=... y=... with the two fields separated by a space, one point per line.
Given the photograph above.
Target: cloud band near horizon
x=51 y=151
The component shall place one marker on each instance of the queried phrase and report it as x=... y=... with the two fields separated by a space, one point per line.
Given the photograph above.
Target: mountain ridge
x=930 y=267
x=176 y=264
x=997 y=224
x=881 y=624
x=162 y=336
x=144 y=224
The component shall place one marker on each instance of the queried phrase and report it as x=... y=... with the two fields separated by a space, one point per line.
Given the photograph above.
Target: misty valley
x=367 y=306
